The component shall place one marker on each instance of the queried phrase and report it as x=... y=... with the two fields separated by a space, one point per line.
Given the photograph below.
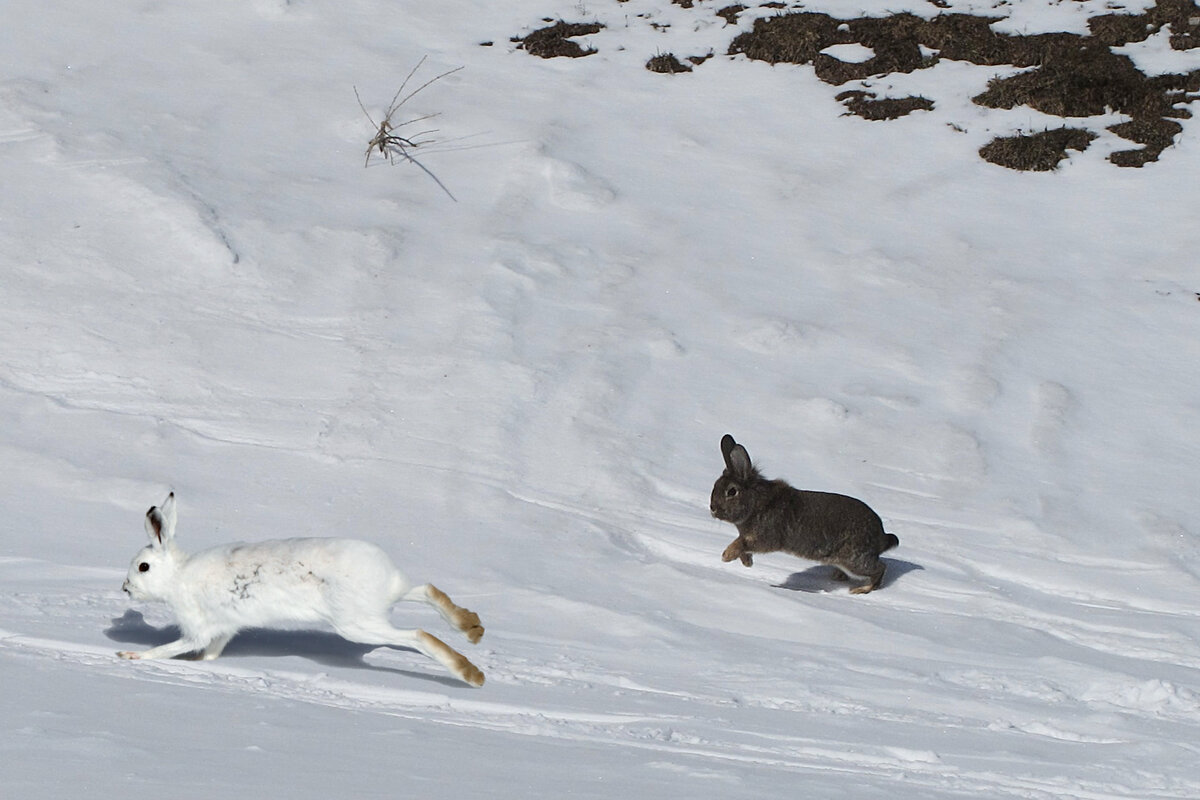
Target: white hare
x=346 y=583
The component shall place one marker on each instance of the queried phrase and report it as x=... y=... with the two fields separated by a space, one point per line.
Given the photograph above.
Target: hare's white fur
x=348 y=584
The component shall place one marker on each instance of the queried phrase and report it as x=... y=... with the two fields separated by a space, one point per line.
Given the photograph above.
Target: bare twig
x=390 y=144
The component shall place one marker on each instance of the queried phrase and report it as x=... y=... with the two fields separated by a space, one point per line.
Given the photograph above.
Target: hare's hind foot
x=875 y=579
x=465 y=621
x=453 y=660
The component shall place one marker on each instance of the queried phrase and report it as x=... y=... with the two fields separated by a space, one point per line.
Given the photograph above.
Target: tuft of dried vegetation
x=391 y=145
x=730 y=13
x=1068 y=75
x=667 y=63
x=868 y=106
x=555 y=41
x=1038 y=152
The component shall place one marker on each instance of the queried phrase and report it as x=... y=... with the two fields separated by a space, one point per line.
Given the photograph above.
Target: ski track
x=677 y=737
x=991 y=706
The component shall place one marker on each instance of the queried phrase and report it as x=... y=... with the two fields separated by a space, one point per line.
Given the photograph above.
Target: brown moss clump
x=555 y=40
x=1039 y=152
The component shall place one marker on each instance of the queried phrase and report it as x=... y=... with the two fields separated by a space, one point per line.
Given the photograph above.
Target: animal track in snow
x=1053 y=404
x=575 y=189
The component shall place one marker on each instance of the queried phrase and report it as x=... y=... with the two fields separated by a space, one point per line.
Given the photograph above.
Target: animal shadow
x=321 y=647
x=819 y=579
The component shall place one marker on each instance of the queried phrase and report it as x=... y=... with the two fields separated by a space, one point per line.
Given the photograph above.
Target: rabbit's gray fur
x=771 y=516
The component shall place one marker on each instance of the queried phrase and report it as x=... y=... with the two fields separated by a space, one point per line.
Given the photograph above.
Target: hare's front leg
x=737 y=549
x=168 y=650
x=214 y=648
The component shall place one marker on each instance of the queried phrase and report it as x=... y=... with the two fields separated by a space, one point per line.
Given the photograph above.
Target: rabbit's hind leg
x=839 y=574
x=874 y=579
x=380 y=632
x=459 y=617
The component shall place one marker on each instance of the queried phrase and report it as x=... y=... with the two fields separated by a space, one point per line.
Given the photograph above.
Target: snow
x=850 y=53
x=520 y=397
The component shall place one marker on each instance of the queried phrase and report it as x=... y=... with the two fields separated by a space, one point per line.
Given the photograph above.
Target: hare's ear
x=160 y=522
x=737 y=460
x=727 y=445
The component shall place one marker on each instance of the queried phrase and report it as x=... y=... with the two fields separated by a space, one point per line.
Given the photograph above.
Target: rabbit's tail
x=889 y=541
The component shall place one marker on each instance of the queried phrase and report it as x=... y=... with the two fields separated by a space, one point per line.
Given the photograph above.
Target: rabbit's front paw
x=733 y=551
x=128 y=654
x=747 y=560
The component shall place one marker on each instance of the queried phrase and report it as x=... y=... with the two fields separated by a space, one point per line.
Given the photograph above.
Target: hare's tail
x=889 y=541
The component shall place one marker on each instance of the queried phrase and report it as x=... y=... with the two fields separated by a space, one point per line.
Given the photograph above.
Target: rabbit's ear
x=737 y=460
x=727 y=445
x=168 y=512
x=160 y=522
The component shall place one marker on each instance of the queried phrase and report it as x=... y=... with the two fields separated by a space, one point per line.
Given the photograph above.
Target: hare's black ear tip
x=150 y=511
x=727 y=442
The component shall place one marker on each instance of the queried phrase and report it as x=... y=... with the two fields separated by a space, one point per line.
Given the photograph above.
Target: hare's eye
x=143 y=567
x=731 y=491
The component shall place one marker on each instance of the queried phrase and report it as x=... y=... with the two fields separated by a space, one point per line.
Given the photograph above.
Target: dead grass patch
x=667 y=63
x=730 y=13
x=1069 y=75
x=1039 y=152
x=868 y=106
x=555 y=41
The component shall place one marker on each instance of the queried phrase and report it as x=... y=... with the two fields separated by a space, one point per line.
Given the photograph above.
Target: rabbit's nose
x=125 y=587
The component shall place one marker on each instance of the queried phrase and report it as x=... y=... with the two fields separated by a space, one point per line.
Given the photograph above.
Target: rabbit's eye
x=731 y=491
x=143 y=567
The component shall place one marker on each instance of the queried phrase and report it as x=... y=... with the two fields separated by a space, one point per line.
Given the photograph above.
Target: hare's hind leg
x=874 y=578
x=459 y=617
x=381 y=632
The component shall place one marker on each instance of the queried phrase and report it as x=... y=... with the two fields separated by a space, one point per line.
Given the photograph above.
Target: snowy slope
x=520 y=396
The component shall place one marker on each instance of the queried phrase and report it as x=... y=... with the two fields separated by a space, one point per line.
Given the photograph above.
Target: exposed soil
x=1070 y=75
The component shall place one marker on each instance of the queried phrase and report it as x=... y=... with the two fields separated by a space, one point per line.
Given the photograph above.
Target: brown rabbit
x=771 y=516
